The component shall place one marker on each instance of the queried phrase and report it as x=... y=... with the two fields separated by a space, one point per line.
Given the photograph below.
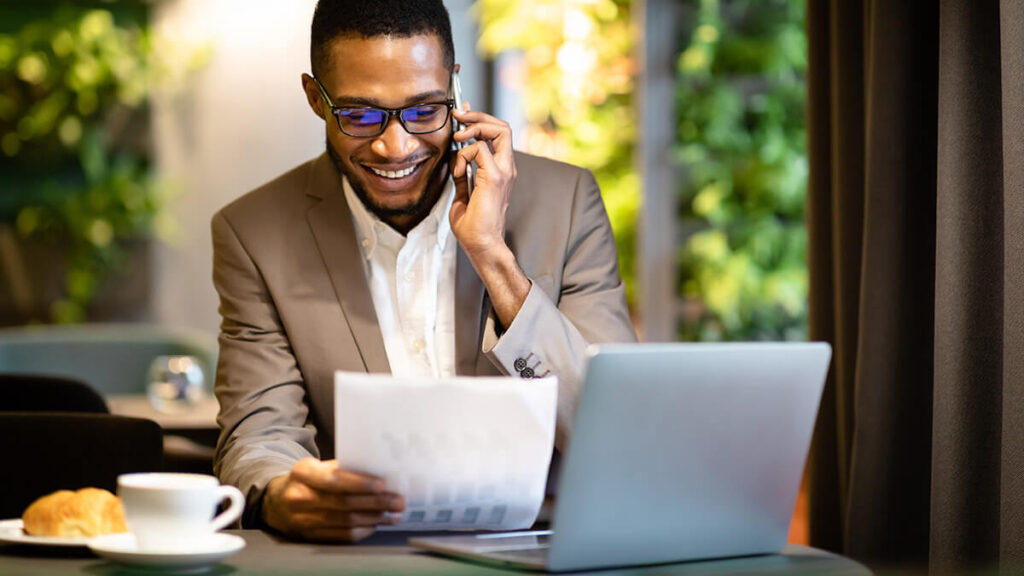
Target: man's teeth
x=392 y=173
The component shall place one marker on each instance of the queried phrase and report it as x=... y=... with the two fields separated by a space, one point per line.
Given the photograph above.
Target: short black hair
x=368 y=18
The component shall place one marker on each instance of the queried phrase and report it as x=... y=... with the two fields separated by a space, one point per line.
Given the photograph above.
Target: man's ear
x=313 y=96
x=457 y=66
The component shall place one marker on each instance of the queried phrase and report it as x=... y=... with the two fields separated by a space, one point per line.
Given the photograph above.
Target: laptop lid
x=686 y=452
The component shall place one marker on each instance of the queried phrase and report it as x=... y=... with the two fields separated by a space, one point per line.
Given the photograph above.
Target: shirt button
x=526 y=373
x=519 y=364
x=366 y=242
x=409 y=277
x=418 y=345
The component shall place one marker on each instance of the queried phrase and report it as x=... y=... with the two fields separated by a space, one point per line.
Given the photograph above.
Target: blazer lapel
x=469 y=314
x=331 y=223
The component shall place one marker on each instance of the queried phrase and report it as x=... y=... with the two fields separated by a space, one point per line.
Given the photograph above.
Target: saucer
x=123 y=548
x=12 y=532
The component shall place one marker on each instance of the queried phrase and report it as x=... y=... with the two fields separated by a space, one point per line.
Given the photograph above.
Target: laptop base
x=523 y=550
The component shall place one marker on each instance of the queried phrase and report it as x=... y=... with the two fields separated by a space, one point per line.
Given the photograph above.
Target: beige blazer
x=296 y=306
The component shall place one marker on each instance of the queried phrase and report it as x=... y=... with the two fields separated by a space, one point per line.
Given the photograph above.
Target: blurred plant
x=740 y=138
x=578 y=93
x=74 y=91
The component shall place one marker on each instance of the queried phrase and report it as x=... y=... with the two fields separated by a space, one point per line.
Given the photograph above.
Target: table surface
x=201 y=416
x=386 y=553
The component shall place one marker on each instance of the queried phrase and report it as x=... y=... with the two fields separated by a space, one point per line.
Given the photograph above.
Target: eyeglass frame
x=391 y=112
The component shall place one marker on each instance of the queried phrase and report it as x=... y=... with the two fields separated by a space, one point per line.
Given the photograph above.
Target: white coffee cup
x=175 y=512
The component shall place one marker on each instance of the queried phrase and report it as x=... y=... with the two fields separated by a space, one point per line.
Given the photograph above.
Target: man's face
x=388 y=72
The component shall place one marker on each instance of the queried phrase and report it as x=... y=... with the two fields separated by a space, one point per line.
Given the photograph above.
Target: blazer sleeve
x=264 y=417
x=550 y=334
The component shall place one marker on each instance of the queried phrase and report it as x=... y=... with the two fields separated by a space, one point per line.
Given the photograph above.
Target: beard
x=421 y=207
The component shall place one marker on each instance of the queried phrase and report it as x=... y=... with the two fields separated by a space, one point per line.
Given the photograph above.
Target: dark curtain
x=916 y=259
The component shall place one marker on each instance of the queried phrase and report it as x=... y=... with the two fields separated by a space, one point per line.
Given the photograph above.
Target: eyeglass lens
x=370 y=121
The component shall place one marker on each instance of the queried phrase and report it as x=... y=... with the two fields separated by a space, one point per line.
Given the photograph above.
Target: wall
x=241 y=122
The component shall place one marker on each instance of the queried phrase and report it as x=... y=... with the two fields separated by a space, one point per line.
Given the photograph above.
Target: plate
x=123 y=549
x=12 y=532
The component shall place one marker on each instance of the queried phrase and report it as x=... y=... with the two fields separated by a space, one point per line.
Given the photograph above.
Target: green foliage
x=74 y=90
x=579 y=94
x=740 y=140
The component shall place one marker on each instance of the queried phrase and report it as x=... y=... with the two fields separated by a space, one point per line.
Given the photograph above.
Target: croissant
x=83 y=514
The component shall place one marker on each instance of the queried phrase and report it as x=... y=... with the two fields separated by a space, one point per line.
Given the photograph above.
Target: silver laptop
x=679 y=452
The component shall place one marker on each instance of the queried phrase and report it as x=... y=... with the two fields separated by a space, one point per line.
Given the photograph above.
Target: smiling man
x=375 y=257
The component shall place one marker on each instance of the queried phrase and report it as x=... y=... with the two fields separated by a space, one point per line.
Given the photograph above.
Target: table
x=198 y=423
x=189 y=436
x=386 y=553
x=202 y=415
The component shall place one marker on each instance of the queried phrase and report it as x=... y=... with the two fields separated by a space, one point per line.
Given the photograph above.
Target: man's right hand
x=320 y=501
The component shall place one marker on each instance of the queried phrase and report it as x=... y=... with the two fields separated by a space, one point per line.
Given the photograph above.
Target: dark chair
x=35 y=393
x=46 y=451
x=112 y=359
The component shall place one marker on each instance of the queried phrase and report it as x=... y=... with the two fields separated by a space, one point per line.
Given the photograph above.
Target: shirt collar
x=371 y=230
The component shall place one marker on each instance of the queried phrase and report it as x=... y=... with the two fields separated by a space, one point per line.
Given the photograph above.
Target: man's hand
x=479 y=222
x=480 y=225
x=319 y=501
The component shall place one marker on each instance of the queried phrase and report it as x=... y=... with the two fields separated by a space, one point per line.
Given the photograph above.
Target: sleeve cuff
x=252 y=517
x=515 y=351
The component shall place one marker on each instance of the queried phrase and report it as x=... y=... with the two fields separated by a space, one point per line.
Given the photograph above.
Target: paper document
x=466 y=453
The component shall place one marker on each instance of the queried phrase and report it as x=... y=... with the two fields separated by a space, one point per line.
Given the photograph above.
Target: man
x=375 y=257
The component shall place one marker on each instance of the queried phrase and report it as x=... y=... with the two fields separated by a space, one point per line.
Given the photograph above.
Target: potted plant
x=79 y=197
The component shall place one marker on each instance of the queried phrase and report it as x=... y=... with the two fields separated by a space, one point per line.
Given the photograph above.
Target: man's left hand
x=479 y=223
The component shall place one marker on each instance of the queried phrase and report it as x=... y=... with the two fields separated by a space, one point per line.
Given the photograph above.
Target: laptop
x=679 y=452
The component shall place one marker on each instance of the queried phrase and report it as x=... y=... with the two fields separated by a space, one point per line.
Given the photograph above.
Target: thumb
x=461 y=188
x=458 y=210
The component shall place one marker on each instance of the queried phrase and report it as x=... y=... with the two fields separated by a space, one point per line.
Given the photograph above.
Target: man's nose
x=395 y=143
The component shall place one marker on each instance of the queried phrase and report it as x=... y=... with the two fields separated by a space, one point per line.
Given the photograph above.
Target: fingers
x=384 y=502
x=319 y=501
x=338 y=519
x=497 y=133
x=461 y=184
x=485 y=127
x=307 y=521
x=459 y=168
x=338 y=525
x=327 y=477
x=477 y=152
x=475 y=116
x=298 y=497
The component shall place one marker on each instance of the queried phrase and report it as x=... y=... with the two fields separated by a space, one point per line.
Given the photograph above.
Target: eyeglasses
x=367 y=122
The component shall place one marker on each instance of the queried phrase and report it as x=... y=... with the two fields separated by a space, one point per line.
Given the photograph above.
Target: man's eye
x=363 y=115
x=421 y=113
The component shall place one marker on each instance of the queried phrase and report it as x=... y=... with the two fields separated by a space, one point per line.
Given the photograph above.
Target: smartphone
x=456 y=90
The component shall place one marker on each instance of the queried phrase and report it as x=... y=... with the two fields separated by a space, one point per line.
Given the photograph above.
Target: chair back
x=112 y=358
x=34 y=393
x=44 y=452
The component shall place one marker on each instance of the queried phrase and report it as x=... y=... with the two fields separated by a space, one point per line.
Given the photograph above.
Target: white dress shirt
x=412 y=283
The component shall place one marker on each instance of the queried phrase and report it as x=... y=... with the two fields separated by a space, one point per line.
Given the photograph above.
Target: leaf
x=740 y=139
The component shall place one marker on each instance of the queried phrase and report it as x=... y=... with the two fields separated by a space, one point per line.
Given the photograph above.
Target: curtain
x=915 y=216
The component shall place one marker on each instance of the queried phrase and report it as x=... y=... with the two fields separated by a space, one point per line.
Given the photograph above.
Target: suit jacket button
x=519 y=364
x=526 y=372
